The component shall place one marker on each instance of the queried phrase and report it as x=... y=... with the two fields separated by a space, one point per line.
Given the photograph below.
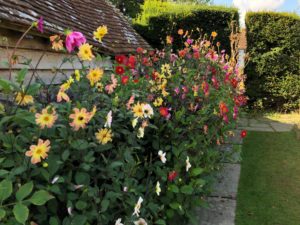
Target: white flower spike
x=162 y=156
x=188 y=164
x=108 y=119
x=118 y=222
x=141 y=132
x=138 y=207
x=157 y=188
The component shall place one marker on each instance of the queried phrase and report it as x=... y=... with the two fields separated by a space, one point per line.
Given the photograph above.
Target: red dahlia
x=172 y=175
x=139 y=50
x=243 y=133
x=234 y=82
x=164 y=112
x=124 y=79
x=120 y=59
x=120 y=70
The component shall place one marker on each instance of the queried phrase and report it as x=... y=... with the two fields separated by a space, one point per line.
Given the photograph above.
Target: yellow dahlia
x=85 y=52
x=77 y=75
x=138 y=110
x=23 y=99
x=61 y=95
x=95 y=75
x=39 y=151
x=80 y=118
x=104 y=136
x=46 y=118
x=158 y=102
x=100 y=33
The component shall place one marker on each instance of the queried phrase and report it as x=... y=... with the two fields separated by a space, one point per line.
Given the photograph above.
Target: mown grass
x=269 y=189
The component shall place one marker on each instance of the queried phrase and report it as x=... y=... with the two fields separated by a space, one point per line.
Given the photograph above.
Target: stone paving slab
x=264 y=129
x=219 y=212
x=260 y=125
x=282 y=127
x=243 y=122
x=227 y=181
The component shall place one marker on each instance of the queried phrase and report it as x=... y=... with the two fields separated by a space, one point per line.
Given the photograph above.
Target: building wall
x=38 y=52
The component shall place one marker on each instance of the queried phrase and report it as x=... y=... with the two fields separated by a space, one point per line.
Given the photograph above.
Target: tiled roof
x=243 y=39
x=78 y=15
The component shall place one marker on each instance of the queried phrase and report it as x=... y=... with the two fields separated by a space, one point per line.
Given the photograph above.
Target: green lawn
x=269 y=189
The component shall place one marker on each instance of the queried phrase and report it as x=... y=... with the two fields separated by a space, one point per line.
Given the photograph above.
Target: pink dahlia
x=73 y=40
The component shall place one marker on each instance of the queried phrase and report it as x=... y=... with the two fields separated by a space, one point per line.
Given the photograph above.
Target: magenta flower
x=177 y=90
x=235 y=112
x=40 y=25
x=73 y=40
x=189 y=41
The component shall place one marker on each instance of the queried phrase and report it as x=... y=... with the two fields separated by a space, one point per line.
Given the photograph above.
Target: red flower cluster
x=172 y=175
x=164 y=112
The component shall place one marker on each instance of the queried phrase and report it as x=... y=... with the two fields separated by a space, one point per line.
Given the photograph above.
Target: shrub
x=273 y=70
x=159 y=19
x=137 y=143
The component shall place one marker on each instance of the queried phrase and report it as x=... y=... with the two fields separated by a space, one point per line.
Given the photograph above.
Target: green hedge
x=187 y=17
x=274 y=68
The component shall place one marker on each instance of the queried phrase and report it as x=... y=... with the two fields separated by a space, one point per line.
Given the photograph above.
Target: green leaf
x=53 y=221
x=104 y=205
x=3 y=172
x=116 y=164
x=5 y=85
x=2 y=214
x=196 y=171
x=65 y=155
x=81 y=205
x=186 y=189
x=33 y=89
x=82 y=178
x=21 y=212
x=79 y=220
x=40 y=197
x=175 y=205
x=5 y=189
x=24 y=191
x=160 y=222
x=21 y=75
x=80 y=144
x=173 y=188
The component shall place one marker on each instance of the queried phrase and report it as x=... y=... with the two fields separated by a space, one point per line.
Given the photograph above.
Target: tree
x=128 y=7
x=194 y=1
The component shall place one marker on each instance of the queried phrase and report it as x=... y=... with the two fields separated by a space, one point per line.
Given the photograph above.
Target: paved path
x=222 y=201
x=264 y=124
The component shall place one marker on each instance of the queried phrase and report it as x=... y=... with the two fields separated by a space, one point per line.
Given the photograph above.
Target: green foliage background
x=159 y=19
x=274 y=67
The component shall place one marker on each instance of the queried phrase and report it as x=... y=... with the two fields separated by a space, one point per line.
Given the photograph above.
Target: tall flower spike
x=108 y=119
x=137 y=207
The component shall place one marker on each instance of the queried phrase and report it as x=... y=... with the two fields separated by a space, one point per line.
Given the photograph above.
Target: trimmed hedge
x=192 y=17
x=273 y=72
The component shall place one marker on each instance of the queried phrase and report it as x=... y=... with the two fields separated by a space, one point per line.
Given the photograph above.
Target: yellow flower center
x=38 y=151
